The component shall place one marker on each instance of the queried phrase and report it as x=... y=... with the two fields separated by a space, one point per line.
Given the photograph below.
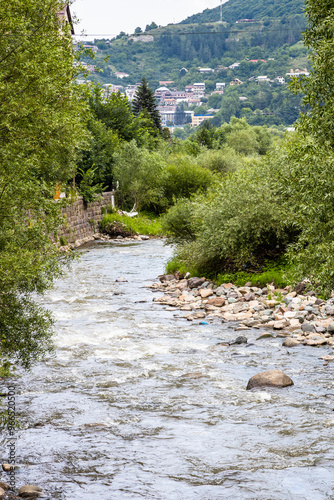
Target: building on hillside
x=298 y=72
x=280 y=80
x=243 y=98
x=220 y=86
x=94 y=48
x=189 y=89
x=161 y=92
x=257 y=60
x=167 y=114
x=130 y=91
x=234 y=65
x=165 y=83
x=199 y=89
x=205 y=70
x=121 y=75
x=110 y=88
x=236 y=81
x=198 y=119
x=245 y=21
x=142 y=38
x=262 y=79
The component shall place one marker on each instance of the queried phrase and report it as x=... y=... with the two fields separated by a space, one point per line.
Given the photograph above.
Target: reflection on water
x=140 y=404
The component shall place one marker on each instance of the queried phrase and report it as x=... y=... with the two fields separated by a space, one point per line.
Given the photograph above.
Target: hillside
x=213 y=53
x=251 y=9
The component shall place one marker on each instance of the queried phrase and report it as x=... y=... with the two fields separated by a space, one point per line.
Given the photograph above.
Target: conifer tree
x=145 y=100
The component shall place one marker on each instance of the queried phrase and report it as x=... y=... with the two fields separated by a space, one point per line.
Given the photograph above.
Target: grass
x=275 y=276
x=275 y=273
x=175 y=265
x=142 y=224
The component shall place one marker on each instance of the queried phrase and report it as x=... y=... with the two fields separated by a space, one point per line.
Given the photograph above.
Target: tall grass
x=141 y=224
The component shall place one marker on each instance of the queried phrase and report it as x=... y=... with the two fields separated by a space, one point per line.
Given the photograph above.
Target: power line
x=183 y=33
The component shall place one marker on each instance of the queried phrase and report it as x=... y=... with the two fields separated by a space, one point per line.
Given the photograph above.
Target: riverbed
x=138 y=403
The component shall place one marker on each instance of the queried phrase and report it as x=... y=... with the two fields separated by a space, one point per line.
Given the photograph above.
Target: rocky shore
x=302 y=319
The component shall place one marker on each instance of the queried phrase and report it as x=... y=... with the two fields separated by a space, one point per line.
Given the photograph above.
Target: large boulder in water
x=271 y=378
x=30 y=491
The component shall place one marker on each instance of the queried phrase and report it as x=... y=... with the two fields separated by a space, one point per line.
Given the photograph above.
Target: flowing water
x=140 y=404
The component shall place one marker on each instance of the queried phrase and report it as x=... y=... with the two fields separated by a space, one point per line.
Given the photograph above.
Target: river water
x=140 y=404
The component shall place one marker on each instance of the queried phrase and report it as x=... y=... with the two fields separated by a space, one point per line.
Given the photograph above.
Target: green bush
x=178 y=224
x=185 y=178
x=221 y=160
x=242 y=222
x=141 y=175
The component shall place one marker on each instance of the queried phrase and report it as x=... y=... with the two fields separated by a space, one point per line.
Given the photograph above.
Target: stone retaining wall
x=82 y=221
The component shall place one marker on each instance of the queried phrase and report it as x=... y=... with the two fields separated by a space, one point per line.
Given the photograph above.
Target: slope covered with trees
x=233 y=10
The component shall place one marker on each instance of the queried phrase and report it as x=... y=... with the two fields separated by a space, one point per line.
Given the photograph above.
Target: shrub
x=141 y=175
x=185 y=178
x=241 y=223
x=222 y=160
x=178 y=224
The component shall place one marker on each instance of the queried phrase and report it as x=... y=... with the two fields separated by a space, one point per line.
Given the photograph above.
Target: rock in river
x=195 y=282
x=30 y=491
x=271 y=378
x=289 y=342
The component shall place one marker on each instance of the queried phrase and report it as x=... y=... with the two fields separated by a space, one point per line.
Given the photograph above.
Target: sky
x=106 y=17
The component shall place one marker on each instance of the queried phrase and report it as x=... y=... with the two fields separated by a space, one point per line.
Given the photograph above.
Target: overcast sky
x=106 y=17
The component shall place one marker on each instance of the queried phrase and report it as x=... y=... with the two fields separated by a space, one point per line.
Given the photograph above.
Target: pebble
x=289 y=342
x=303 y=315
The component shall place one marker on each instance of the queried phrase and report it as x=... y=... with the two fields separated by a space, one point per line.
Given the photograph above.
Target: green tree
x=145 y=100
x=318 y=88
x=41 y=128
x=140 y=174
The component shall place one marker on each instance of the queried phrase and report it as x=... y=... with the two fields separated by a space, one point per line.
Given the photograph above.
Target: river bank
x=301 y=319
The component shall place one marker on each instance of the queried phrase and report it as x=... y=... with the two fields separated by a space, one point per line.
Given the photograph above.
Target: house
x=245 y=21
x=121 y=75
x=236 y=81
x=220 y=86
x=198 y=119
x=257 y=60
x=167 y=114
x=94 y=48
x=189 y=89
x=280 y=80
x=298 y=72
x=199 y=89
x=165 y=83
x=205 y=70
x=131 y=90
x=243 y=98
x=142 y=38
x=110 y=88
x=161 y=92
x=234 y=65
x=262 y=79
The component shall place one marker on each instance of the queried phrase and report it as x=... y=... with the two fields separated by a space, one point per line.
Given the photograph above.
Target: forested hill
x=234 y=10
x=178 y=55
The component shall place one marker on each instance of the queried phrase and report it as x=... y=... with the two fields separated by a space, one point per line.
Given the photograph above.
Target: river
x=140 y=404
